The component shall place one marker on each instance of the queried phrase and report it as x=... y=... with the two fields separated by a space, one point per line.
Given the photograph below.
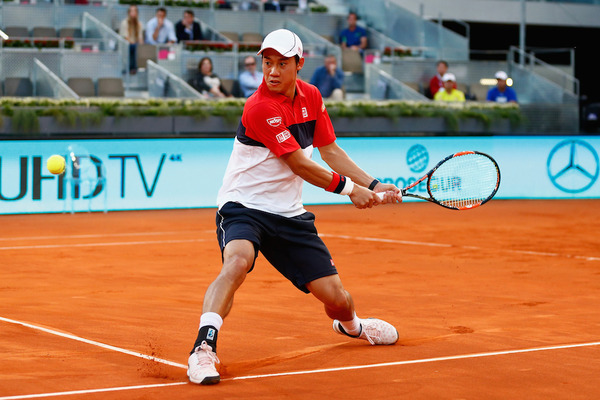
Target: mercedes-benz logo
x=573 y=166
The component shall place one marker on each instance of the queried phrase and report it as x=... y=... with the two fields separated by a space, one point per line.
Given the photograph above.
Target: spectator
x=159 y=29
x=207 y=82
x=436 y=82
x=354 y=36
x=502 y=93
x=187 y=28
x=273 y=5
x=448 y=92
x=329 y=79
x=250 y=79
x=133 y=31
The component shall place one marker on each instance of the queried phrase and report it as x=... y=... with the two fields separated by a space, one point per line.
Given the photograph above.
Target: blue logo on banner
x=417 y=158
x=573 y=166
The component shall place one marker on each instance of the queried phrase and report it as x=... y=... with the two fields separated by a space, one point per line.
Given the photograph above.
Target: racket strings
x=464 y=181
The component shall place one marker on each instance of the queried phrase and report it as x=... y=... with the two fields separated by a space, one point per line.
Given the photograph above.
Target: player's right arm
x=316 y=175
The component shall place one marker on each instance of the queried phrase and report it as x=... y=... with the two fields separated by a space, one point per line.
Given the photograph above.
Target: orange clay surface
x=500 y=302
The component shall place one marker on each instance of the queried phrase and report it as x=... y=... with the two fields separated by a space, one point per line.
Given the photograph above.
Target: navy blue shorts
x=291 y=245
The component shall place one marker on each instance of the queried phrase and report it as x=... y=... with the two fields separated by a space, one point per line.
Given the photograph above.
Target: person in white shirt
x=159 y=29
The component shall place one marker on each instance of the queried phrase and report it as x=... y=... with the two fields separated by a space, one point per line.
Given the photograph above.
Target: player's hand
x=362 y=197
x=392 y=193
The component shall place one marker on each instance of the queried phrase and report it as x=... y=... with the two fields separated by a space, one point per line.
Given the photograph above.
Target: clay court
x=499 y=302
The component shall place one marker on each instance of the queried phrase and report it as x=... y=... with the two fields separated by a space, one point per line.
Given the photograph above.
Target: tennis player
x=260 y=204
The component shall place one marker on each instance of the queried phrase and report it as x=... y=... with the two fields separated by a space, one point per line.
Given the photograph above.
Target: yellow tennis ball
x=56 y=164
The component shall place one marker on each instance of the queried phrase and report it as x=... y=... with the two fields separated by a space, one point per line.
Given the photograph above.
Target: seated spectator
x=207 y=82
x=502 y=93
x=354 y=36
x=159 y=29
x=329 y=79
x=448 y=92
x=273 y=5
x=132 y=30
x=187 y=28
x=250 y=79
x=436 y=82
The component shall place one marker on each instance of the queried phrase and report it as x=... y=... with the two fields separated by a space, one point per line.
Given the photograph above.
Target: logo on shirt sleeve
x=283 y=136
x=275 y=121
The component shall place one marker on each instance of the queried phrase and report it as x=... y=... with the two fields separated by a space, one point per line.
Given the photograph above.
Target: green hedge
x=25 y=111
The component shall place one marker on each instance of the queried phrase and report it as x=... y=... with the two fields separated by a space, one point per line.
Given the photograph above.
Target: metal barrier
x=521 y=60
x=47 y=84
x=91 y=27
x=412 y=30
x=162 y=83
x=380 y=85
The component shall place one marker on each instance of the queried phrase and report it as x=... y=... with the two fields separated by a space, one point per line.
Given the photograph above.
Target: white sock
x=352 y=327
x=211 y=319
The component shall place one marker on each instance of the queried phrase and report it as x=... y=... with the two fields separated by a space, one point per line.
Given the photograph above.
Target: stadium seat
x=234 y=36
x=18 y=87
x=43 y=31
x=84 y=87
x=233 y=87
x=146 y=52
x=479 y=92
x=69 y=32
x=414 y=86
x=16 y=31
x=252 y=37
x=110 y=87
x=352 y=61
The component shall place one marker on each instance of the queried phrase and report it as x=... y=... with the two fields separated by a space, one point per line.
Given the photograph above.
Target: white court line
x=70 y=245
x=429 y=244
x=421 y=361
x=96 y=235
x=113 y=389
x=93 y=342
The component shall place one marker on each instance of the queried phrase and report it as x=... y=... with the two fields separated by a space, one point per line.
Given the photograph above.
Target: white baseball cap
x=448 y=76
x=285 y=42
x=501 y=75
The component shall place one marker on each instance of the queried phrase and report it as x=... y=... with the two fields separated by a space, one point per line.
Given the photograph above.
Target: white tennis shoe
x=375 y=331
x=201 y=366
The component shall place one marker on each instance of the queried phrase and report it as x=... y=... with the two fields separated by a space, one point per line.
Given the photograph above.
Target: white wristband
x=348 y=187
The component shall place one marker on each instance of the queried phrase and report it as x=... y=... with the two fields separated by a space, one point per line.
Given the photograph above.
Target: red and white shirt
x=272 y=125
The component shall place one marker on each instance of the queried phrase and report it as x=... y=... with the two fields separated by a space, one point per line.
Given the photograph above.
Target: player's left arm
x=340 y=162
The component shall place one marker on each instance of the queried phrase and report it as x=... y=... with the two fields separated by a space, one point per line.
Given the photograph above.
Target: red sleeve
x=434 y=86
x=266 y=123
x=324 y=133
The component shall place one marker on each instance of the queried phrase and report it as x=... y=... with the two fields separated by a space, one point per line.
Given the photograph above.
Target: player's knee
x=339 y=301
x=237 y=266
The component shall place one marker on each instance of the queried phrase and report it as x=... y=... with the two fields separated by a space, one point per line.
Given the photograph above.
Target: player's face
x=280 y=72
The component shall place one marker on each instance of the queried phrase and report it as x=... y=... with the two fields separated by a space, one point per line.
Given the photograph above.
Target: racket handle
x=382 y=194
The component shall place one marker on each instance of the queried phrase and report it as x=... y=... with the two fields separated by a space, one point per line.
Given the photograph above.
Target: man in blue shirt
x=329 y=79
x=250 y=79
x=353 y=37
x=502 y=93
x=159 y=29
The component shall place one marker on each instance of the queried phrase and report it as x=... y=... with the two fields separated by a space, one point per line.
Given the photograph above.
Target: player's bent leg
x=238 y=258
x=337 y=301
x=340 y=307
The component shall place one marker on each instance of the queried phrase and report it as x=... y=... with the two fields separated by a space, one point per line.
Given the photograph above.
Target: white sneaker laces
x=369 y=332
x=206 y=357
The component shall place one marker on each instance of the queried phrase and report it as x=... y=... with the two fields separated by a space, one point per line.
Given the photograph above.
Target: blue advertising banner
x=119 y=174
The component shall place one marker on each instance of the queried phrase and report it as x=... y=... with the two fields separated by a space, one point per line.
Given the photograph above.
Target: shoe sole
x=209 y=380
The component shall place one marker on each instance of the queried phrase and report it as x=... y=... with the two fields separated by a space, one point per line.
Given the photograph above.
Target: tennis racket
x=460 y=181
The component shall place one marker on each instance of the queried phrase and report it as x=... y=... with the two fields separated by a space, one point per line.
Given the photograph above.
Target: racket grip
x=382 y=194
